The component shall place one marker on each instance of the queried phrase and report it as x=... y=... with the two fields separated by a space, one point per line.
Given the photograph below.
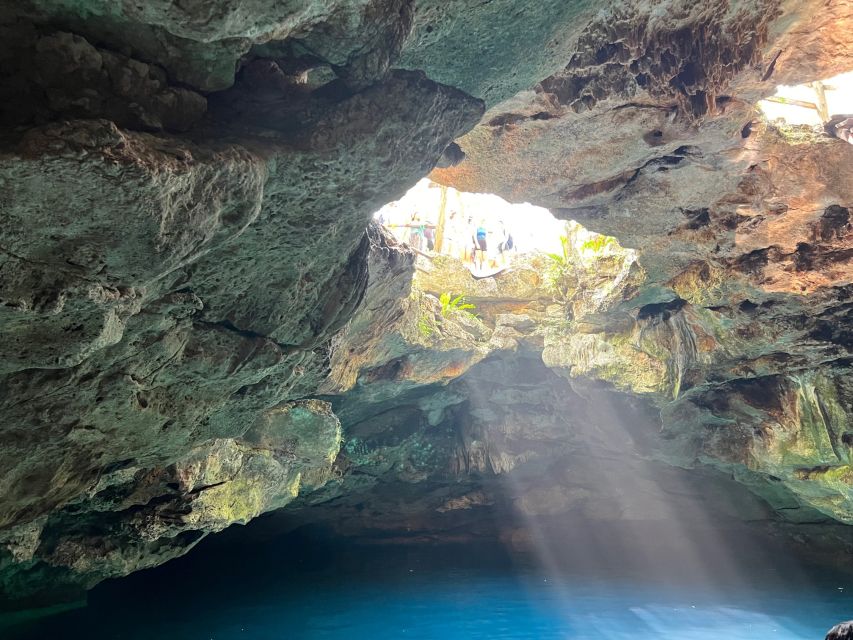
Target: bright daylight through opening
x=820 y=103
x=482 y=230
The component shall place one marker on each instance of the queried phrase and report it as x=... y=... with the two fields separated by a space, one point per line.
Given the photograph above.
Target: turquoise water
x=461 y=592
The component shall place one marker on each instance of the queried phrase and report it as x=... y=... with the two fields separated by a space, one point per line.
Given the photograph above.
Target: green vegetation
x=428 y=323
x=589 y=268
x=597 y=243
x=449 y=304
x=796 y=134
x=562 y=259
x=425 y=328
x=560 y=272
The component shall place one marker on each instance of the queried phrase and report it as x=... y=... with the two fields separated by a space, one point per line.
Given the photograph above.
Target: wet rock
x=841 y=631
x=203 y=45
x=521 y=41
x=639 y=51
x=134 y=517
x=62 y=75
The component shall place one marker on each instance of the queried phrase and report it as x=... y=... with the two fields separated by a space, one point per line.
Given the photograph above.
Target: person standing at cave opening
x=471 y=242
x=452 y=236
x=416 y=232
x=480 y=243
x=429 y=236
x=505 y=245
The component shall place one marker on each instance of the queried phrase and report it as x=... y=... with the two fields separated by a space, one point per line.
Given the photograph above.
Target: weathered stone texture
x=162 y=294
x=738 y=328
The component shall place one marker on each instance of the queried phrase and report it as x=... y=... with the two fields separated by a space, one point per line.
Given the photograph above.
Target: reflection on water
x=287 y=591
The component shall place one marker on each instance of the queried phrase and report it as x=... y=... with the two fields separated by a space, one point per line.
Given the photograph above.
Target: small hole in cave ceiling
x=654 y=138
x=511 y=230
x=811 y=103
x=415 y=218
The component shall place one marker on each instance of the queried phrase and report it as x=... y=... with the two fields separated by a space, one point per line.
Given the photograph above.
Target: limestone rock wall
x=433 y=455
x=737 y=326
x=175 y=261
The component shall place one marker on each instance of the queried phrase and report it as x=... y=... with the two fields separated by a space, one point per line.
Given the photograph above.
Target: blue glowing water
x=446 y=594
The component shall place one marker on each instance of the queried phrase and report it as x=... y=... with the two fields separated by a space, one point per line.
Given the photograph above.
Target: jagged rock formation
x=455 y=426
x=738 y=326
x=162 y=294
x=185 y=279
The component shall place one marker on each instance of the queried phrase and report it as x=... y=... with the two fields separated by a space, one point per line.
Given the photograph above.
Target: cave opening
x=812 y=109
x=811 y=103
x=482 y=230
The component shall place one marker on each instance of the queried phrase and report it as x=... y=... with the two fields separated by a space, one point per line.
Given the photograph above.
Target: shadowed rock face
x=196 y=329
x=687 y=54
x=162 y=293
x=460 y=427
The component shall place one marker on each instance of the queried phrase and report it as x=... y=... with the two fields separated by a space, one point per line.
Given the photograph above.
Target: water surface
x=285 y=590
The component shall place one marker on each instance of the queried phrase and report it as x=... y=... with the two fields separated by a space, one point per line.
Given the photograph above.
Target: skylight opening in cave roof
x=532 y=228
x=435 y=219
x=813 y=103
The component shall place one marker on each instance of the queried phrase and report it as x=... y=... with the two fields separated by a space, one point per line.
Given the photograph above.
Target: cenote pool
x=287 y=590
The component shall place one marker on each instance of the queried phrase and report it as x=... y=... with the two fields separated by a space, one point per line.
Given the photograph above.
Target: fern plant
x=560 y=270
x=562 y=259
x=597 y=243
x=424 y=327
x=449 y=304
